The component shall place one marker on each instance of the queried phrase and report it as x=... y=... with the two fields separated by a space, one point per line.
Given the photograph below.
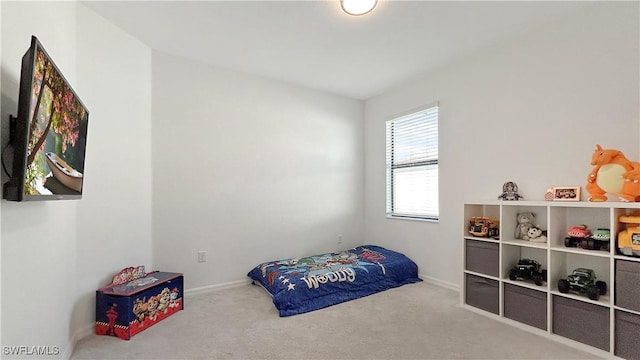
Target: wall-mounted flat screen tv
x=49 y=134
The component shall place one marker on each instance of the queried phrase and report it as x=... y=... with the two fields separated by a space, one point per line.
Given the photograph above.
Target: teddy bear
x=524 y=222
x=535 y=234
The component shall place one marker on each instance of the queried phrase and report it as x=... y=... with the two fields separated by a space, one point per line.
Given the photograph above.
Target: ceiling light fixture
x=358 y=7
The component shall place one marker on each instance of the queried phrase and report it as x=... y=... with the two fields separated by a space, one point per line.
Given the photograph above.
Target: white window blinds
x=412 y=165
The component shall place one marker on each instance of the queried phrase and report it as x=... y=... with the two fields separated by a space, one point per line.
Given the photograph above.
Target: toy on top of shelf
x=549 y=195
x=509 y=192
x=583 y=281
x=524 y=222
x=629 y=238
x=529 y=270
x=537 y=235
x=615 y=174
x=483 y=226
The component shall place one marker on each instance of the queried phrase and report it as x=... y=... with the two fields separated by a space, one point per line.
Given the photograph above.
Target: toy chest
x=126 y=309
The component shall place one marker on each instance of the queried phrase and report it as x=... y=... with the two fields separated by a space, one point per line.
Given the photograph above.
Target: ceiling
x=315 y=44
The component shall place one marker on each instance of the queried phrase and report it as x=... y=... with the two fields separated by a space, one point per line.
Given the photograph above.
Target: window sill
x=429 y=220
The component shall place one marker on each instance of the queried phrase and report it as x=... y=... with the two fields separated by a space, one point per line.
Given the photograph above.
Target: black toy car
x=530 y=270
x=583 y=281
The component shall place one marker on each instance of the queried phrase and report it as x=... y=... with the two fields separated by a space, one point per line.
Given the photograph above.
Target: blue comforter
x=309 y=283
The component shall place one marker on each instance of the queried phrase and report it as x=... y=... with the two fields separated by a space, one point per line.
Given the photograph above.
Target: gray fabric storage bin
x=524 y=305
x=627 y=330
x=580 y=321
x=482 y=257
x=628 y=284
x=482 y=293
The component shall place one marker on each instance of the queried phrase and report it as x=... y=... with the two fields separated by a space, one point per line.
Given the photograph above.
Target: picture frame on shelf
x=566 y=193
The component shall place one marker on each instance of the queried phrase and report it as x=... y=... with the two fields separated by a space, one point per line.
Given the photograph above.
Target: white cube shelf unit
x=607 y=326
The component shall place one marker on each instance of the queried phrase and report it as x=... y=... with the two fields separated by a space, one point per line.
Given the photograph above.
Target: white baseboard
x=438 y=282
x=210 y=288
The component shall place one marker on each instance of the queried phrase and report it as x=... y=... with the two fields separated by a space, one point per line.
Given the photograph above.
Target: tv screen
x=49 y=134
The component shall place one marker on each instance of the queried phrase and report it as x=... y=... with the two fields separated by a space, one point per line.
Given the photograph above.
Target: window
x=412 y=165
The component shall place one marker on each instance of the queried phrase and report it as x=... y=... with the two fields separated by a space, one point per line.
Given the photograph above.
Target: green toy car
x=599 y=240
x=583 y=281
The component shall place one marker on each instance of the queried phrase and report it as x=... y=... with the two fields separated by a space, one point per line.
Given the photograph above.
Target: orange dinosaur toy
x=615 y=174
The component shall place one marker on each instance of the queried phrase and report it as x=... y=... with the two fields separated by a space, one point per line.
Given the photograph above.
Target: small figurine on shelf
x=524 y=222
x=509 y=191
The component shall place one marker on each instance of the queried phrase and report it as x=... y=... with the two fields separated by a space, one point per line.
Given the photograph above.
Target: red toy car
x=576 y=234
x=579 y=232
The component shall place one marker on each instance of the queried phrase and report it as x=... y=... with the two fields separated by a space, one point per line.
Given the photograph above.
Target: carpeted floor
x=417 y=321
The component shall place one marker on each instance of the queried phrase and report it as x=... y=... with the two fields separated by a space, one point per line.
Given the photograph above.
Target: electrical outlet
x=202 y=256
x=339 y=239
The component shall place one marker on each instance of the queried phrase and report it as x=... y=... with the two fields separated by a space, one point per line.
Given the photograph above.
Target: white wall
x=35 y=256
x=530 y=111
x=114 y=216
x=1 y=133
x=249 y=170
x=55 y=254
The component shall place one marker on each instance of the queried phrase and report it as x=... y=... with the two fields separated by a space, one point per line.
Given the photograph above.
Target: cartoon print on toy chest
x=173 y=300
x=140 y=310
x=163 y=301
x=615 y=174
x=152 y=308
x=524 y=222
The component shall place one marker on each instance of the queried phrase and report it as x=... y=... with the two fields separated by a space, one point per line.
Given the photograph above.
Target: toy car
x=629 y=239
x=530 y=270
x=600 y=240
x=583 y=281
x=576 y=234
x=483 y=226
